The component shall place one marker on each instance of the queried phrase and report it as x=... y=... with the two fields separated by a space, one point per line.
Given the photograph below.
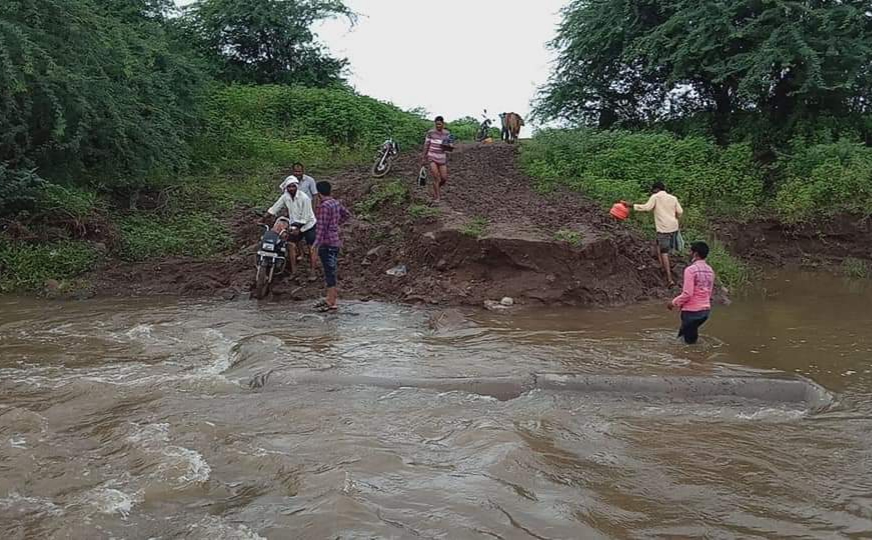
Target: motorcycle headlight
x=266 y=246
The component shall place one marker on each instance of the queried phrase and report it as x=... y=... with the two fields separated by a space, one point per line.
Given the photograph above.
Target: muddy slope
x=515 y=252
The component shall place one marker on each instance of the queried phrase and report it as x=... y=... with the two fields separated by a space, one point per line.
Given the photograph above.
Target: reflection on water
x=134 y=420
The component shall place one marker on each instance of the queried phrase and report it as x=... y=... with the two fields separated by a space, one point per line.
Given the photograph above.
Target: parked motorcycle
x=271 y=259
x=483 y=128
x=385 y=157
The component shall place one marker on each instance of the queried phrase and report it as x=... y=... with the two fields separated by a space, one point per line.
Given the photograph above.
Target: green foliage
x=569 y=236
x=27 y=267
x=268 y=41
x=634 y=62
x=824 y=180
x=74 y=203
x=195 y=234
x=420 y=211
x=618 y=165
x=19 y=189
x=386 y=192
x=476 y=228
x=269 y=125
x=856 y=268
x=84 y=92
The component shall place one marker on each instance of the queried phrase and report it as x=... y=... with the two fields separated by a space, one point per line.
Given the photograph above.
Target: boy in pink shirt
x=695 y=300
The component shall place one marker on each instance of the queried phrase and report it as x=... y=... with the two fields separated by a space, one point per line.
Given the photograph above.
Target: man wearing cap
x=307 y=183
x=301 y=218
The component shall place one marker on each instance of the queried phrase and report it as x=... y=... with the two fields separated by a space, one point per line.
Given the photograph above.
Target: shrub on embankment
x=808 y=182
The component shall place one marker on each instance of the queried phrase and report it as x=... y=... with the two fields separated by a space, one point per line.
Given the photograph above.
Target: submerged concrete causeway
x=775 y=390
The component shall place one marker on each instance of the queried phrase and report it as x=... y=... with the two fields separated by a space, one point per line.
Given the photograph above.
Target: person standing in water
x=667 y=210
x=330 y=214
x=437 y=144
x=695 y=300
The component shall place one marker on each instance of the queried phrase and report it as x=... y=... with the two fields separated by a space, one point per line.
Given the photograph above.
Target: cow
x=513 y=126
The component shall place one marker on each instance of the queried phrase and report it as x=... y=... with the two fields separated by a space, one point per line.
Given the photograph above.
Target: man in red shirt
x=695 y=300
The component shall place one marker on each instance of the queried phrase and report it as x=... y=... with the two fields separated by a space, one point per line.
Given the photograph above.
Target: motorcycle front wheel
x=262 y=282
x=382 y=166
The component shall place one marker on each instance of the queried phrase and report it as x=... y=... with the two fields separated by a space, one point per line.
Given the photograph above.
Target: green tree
x=268 y=41
x=86 y=92
x=626 y=61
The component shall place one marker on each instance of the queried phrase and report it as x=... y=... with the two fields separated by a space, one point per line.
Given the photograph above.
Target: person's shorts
x=438 y=160
x=667 y=242
x=297 y=235
x=330 y=261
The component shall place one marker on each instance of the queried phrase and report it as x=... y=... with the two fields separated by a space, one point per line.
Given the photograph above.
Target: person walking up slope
x=695 y=300
x=437 y=144
x=667 y=211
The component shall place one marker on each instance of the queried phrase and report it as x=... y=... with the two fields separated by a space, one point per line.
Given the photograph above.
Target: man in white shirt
x=667 y=210
x=301 y=217
x=307 y=183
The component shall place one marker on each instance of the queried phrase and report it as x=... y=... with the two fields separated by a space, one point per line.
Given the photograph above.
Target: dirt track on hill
x=518 y=254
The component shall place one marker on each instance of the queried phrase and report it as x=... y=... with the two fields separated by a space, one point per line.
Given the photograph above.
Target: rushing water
x=134 y=419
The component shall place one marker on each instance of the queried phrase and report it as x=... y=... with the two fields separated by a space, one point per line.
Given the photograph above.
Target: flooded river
x=134 y=419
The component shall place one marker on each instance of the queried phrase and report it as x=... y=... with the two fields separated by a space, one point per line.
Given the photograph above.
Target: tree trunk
x=723 y=112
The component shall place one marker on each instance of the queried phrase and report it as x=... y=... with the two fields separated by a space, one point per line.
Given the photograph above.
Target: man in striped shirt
x=695 y=300
x=330 y=215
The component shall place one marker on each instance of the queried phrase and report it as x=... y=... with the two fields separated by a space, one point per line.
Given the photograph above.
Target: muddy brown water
x=133 y=419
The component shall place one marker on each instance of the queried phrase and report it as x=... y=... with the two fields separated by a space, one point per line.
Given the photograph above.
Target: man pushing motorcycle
x=300 y=224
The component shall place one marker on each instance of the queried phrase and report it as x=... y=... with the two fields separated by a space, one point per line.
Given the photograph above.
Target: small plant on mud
x=26 y=267
x=855 y=268
x=568 y=236
x=394 y=192
x=196 y=234
x=476 y=228
x=420 y=211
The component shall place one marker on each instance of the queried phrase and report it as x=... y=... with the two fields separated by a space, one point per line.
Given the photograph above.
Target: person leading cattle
x=437 y=144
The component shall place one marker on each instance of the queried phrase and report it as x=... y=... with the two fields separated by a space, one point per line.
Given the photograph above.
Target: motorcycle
x=270 y=260
x=385 y=157
x=483 y=128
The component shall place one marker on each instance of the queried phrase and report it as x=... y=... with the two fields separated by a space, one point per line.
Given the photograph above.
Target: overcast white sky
x=451 y=57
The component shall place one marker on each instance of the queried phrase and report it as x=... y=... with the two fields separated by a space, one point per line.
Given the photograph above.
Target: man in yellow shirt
x=667 y=210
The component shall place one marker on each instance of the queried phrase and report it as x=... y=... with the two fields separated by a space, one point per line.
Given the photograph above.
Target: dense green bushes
x=86 y=91
x=808 y=182
x=276 y=125
x=823 y=180
x=614 y=165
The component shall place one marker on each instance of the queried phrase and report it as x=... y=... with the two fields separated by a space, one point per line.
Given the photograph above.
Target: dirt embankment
x=772 y=243
x=492 y=236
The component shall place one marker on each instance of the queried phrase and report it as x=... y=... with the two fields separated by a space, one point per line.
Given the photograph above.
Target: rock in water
x=508 y=301
x=492 y=305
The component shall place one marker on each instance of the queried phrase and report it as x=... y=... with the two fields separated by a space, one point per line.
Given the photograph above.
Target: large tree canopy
x=627 y=61
x=83 y=86
x=269 y=41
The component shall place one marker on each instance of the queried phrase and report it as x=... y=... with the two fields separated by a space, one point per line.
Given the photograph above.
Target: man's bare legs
x=667 y=267
x=437 y=180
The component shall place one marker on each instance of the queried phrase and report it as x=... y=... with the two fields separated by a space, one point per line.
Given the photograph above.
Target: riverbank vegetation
x=746 y=110
x=139 y=127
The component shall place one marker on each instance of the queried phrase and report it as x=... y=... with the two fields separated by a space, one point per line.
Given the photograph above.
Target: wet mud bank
x=827 y=244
